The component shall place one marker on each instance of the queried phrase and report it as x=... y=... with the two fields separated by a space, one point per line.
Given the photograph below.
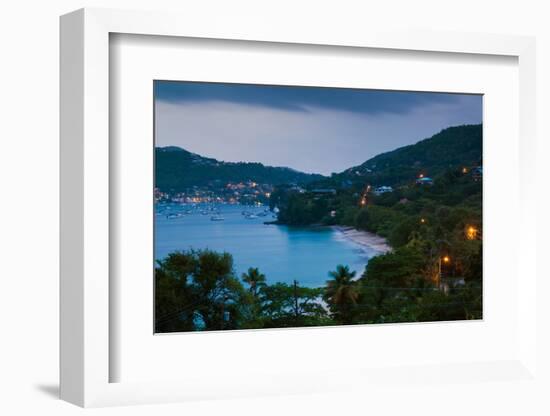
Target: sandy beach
x=366 y=239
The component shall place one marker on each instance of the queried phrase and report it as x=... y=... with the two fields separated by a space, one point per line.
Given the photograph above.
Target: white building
x=382 y=190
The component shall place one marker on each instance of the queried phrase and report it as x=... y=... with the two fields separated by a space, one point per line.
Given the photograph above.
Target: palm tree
x=342 y=293
x=254 y=279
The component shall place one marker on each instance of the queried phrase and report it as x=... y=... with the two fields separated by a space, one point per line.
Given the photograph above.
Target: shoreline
x=370 y=242
x=366 y=239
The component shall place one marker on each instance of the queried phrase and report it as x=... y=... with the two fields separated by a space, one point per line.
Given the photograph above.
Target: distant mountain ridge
x=177 y=169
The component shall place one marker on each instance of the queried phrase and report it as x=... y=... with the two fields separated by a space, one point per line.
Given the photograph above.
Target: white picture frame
x=86 y=355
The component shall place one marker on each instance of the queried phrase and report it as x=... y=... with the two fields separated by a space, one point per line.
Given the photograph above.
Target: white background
x=29 y=172
x=137 y=60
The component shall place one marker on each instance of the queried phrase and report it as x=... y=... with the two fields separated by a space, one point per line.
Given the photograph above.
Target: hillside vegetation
x=451 y=148
x=435 y=228
x=177 y=170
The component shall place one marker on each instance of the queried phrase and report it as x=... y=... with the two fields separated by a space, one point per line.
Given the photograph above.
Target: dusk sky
x=310 y=129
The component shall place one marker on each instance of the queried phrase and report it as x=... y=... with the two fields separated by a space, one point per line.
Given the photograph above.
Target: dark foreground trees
x=198 y=291
x=401 y=287
x=254 y=279
x=342 y=294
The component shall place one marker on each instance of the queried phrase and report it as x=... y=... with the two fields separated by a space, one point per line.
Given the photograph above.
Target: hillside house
x=382 y=190
x=324 y=191
x=424 y=181
x=477 y=173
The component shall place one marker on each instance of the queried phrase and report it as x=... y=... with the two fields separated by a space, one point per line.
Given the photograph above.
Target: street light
x=445 y=259
x=471 y=233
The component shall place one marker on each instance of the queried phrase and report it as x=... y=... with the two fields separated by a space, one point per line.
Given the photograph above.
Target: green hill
x=451 y=148
x=177 y=169
x=442 y=157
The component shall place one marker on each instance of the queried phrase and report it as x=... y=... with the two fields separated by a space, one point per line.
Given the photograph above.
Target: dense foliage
x=434 y=271
x=451 y=148
x=424 y=223
x=457 y=147
x=198 y=291
x=177 y=170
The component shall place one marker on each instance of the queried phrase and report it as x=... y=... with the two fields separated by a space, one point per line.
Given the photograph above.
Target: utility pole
x=439 y=273
x=447 y=260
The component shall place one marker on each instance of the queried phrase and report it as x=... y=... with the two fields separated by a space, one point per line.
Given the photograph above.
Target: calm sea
x=281 y=253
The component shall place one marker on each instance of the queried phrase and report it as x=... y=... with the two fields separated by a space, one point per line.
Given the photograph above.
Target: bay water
x=282 y=253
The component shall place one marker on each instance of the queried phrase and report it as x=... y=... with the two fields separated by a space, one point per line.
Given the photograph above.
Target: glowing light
x=471 y=233
x=446 y=259
x=423 y=220
x=421 y=175
x=464 y=170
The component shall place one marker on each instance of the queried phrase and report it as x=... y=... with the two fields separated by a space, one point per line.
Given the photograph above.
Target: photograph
x=280 y=206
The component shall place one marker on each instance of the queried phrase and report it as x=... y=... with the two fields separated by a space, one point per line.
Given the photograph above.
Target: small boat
x=251 y=216
x=217 y=218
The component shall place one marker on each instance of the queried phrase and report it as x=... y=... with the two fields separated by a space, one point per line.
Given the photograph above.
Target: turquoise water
x=282 y=253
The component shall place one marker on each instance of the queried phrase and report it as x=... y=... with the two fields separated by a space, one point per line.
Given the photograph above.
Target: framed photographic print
x=237 y=207
x=288 y=206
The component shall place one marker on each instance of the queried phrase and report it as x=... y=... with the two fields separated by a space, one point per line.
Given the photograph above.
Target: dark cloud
x=303 y=98
x=320 y=130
